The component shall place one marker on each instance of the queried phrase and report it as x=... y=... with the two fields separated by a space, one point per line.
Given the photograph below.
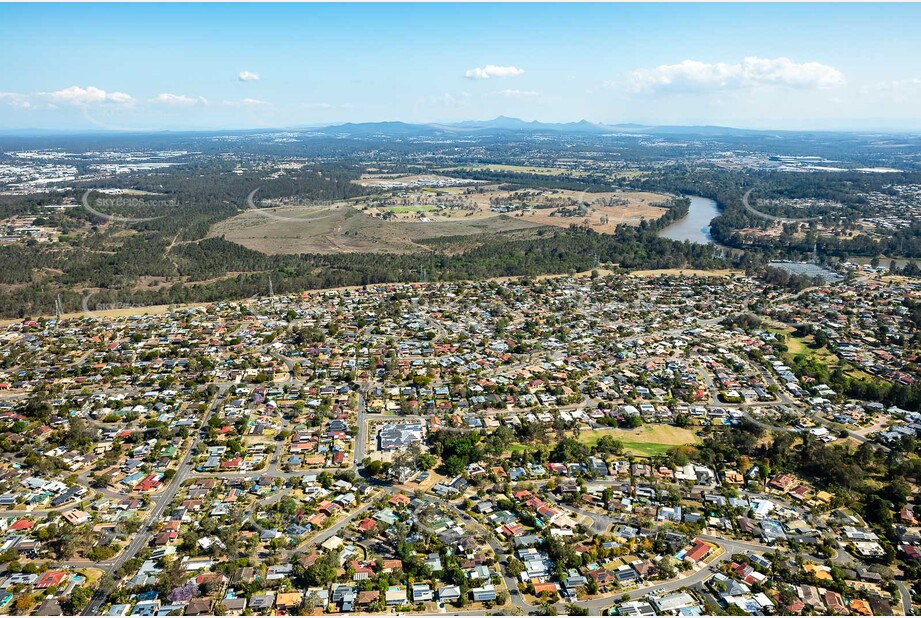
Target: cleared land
x=398 y=219
x=631 y=208
x=645 y=441
x=343 y=229
x=407 y=210
x=557 y=207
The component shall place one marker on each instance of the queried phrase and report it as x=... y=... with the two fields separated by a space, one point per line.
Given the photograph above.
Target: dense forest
x=211 y=262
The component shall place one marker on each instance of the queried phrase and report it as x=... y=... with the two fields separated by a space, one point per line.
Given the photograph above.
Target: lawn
x=645 y=441
x=803 y=345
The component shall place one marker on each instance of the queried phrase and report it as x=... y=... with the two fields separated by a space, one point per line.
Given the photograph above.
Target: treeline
x=789 y=281
x=214 y=261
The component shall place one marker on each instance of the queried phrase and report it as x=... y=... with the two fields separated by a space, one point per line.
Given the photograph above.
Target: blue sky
x=207 y=66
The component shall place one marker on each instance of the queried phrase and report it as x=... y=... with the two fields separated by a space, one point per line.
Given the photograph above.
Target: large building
x=395 y=436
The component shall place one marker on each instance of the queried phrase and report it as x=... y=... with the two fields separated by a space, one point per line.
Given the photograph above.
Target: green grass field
x=803 y=345
x=646 y=441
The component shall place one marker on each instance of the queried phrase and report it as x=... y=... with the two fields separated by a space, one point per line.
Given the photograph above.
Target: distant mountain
x=501 y=125
x=516 y=124
x=506 y=124
x=391 y=128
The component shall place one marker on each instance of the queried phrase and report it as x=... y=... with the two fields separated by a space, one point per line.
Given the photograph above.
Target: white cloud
x=246 y=102
x=75 y=95
x=248 y=76
x=491 y=71
x=518 y=94
x=691 y=75
x=178 y=100
x=327 y=106
x=15 y=99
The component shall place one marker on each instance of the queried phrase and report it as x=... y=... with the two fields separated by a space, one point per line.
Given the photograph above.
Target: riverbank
x=695 y=226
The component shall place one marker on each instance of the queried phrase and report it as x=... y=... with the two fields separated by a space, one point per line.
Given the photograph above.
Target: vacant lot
x=342 y=229
x=605 y=211
x=557 y=207
x=803 y=345
x=400 y=219
x=645 y=441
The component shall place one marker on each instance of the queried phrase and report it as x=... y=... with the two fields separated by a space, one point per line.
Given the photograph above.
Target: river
x=695 y=227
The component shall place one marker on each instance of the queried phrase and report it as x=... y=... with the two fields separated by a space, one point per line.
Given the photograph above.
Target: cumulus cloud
x=178 y=100
x=248 y=76
x=691 y=75
x=518 y=94
x=491 y=71
x=75 y=95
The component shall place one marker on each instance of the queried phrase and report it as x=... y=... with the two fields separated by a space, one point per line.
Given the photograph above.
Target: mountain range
x=506 y=124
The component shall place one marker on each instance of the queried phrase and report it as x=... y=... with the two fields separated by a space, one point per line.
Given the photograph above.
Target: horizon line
x=453 y=124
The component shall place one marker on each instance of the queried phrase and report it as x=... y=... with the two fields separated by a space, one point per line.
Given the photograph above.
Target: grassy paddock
x=645 y=441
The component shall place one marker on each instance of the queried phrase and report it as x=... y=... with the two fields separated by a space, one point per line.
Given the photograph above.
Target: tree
x=607 y=444
x=632 y=421
x=171 y=577
x=79 y=597
x=24 y=603
x=678 y=456
x=878 y=510
x=569 y=450
x=454 y=465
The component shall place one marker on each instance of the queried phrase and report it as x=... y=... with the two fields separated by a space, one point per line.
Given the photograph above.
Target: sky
x=136 y=67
